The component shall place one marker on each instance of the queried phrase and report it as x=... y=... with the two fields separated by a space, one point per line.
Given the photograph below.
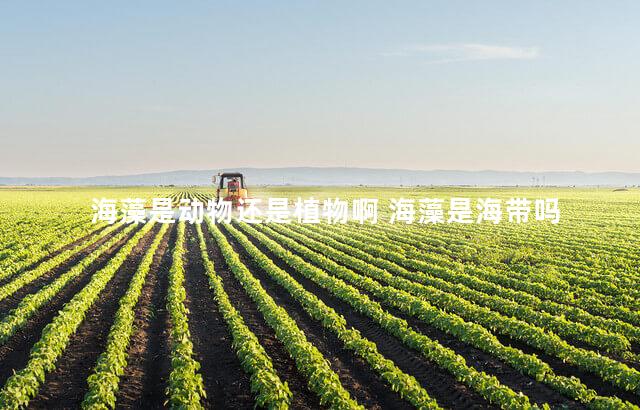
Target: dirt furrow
x=52 y=255
x=537 y=392
x=65 y=386
x=441 y=385
x=303 y=397
x=226 y=383
x=509 y=376
x=11 y=302
x=14 y=353
x=148 y=360
x=355 y=374
x=564 y=369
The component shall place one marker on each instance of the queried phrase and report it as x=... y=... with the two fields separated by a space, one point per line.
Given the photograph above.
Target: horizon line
x=324 y=168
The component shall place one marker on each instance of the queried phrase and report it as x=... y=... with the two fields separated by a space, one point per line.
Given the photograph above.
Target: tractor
x=230 y=187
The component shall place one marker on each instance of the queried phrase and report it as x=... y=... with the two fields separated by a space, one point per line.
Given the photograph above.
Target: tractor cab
x=230 y=187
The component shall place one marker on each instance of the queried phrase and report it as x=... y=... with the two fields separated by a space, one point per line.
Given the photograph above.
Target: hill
x=350 y=176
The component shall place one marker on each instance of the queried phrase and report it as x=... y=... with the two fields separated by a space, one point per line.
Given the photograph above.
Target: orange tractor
x=230 y=187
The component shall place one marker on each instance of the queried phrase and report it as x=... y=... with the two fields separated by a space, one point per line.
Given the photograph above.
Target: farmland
x=319 y=315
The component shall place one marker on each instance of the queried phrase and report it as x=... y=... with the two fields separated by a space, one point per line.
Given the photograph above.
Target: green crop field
x=305 y=315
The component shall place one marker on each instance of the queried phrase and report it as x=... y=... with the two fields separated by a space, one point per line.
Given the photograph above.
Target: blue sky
x=94 y=88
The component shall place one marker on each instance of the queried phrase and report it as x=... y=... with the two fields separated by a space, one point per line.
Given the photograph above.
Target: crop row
x=487 y=386
x=608 y=369
x=442 y=279
x=185 y=388
x=103 y=382
x=578 y=243
x=457 y=275
x=321 y=378
x=579 y=236
x=439 y=241
x=17 y=260
x=27 y=277
x=271 y=392
x=590 y=304
x=602 y=290
x=19 y=316
x=617 y=289
x=34 y=231
x=407 y=386
x=24 y=384
x=451 y=323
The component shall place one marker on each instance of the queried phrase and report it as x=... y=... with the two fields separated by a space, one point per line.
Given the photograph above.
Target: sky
x=114 y=88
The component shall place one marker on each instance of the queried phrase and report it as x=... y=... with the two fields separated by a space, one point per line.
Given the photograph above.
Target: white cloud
x=450 y=53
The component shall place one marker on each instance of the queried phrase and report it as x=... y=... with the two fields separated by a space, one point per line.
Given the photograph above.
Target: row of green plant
x=309 y=361
x=270 y=391
x=185 y=388
x=576 y=242
x=619 y=374
x=104 y=381
x=572 y=252
x=13 y=240
x=457 y=274
x=617 y=290
x=468 y=332
x=16 y=259
x=23 y=385
x=33 y=302
x=406 y=385
x=590 y=301
x=443 y=279
x=27 y=277
x=29 y=233
x=487 y=386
